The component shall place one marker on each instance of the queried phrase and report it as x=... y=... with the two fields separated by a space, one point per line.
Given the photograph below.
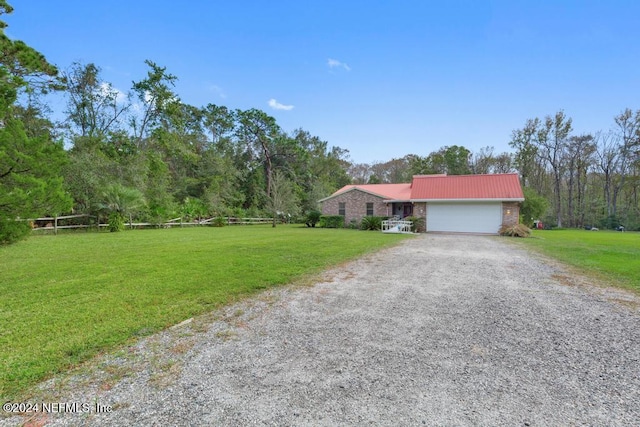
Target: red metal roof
x=443 y=187
x=388 y=191
x=493 y=186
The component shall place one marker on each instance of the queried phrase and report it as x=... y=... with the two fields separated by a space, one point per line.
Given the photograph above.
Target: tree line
x=589 y=179
x=569 y=180
x=146 y=154
x=158 y=156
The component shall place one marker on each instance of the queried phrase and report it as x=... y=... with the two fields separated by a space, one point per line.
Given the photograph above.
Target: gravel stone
x=441 y=330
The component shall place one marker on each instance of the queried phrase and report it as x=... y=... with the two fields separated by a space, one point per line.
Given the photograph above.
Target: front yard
x=609 y=255
x=66 y=298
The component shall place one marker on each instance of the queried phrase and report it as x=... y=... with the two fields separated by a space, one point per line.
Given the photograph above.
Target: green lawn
x=65 y=298
x=609 y=255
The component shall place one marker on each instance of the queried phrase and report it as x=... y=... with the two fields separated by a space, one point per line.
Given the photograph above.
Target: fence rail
x=396 y=226
x=52 y=222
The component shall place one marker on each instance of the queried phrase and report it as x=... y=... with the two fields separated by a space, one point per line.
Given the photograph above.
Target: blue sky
x=380 y=78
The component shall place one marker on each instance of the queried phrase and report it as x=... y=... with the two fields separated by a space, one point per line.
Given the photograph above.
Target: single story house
x=448 y=203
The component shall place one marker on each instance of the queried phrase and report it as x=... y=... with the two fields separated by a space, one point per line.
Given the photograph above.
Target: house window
x=341 y=209
x=369 y=209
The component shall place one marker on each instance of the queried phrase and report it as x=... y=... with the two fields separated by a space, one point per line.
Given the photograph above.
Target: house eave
x=468 y=200
x=397 y=201
x=352 y=189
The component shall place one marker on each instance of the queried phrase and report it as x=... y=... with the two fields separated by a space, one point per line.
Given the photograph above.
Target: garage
x=464 y=217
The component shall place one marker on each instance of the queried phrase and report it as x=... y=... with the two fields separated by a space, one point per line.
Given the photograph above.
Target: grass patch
x=66 y=298
x=609 y=255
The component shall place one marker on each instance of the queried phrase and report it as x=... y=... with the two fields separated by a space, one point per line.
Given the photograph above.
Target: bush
x=417 y=224
x=611 y=222
x=371 y=223
x=238 y=213
x=353 y=224
x=219 y=222
x=116 y=222
x=518 y=230
x=533 y=207
x=331 y=221
x=11 y=230
x=550 y=222
x=312 y=218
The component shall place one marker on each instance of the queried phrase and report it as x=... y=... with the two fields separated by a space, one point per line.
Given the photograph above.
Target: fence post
x=180 y=222
x=55 y=225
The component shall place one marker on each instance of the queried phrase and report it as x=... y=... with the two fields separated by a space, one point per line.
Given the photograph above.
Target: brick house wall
x=355 y=202
x=356 y=207
x=420 y=210
x=510 y=213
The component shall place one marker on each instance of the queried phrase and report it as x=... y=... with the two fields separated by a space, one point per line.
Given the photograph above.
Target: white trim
x=466 y=200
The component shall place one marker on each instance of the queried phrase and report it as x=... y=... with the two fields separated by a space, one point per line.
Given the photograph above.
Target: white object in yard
x=396 y=226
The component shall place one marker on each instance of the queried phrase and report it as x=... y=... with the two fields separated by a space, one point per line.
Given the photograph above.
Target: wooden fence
x=52 y=223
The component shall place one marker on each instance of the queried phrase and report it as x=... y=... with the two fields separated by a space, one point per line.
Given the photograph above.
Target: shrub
x=517 y=230
x=371 y=223
x=533 y=207
x=219 y=222
x=417 y=224
x=312 y=218
x=611 y=222
x=550 y=222
x=238 y=213
x=11 y=230
x=116 y=222
x=353 y=224
x=331 y=221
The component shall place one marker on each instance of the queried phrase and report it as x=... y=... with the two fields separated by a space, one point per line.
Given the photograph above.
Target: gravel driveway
x=441 y=330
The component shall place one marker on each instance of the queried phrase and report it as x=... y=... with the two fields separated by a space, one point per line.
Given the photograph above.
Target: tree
x=257 y=131
x=628 y=152
x=482 y=161
x=121 y=202
x=456 y=159
x=579 y=154
x=552 y=141
x=155 y=96
x=219 y=122
x=94 y=107
x=393 y=171
x=282 y=199
x=360 y=173
x=607 y=158
x=450 y=160
x=22 y=68
x=30 y=160
x=503 y=163
x=533 y=207
x=524 y=142
x=486 y=162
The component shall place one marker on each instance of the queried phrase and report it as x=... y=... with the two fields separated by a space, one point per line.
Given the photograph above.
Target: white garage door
x=464 y=217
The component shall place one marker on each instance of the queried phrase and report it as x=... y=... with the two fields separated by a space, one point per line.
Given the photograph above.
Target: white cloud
x=334 y=63
x=107 y=90
x=217 y=90
x=148 y=97
x=277 y=106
